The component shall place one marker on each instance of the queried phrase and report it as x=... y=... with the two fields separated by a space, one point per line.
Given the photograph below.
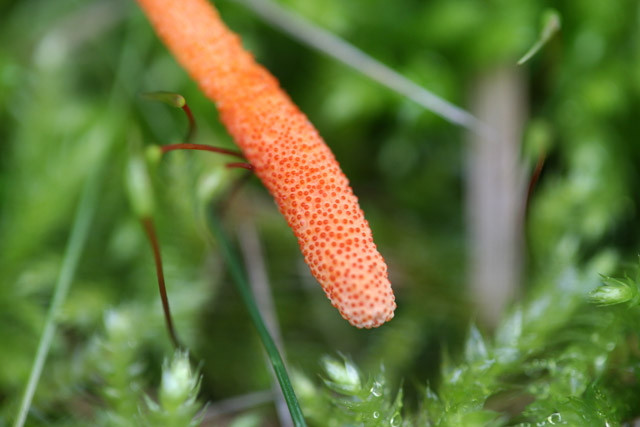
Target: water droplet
x=376 y=415
x=555 y=418
x=376 y=389
x=600 y=362
x=455 y=376
x=396 y=421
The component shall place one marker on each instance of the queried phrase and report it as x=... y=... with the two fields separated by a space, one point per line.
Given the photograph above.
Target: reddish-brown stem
x=192 y=122
x=202 y=147
x=534 y=178
x=149 y=228
x=243 y=165
x=239 y=165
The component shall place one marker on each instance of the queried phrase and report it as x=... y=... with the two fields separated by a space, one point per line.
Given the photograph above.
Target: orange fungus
x=287 y=154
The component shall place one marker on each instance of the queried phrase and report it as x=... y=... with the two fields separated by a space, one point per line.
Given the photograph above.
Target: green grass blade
x=242 y=285
x=335 y=47
x=551 y=23
x=75 y=246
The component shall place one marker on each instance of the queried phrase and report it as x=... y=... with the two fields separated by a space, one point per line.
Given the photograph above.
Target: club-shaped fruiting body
x=287 y=154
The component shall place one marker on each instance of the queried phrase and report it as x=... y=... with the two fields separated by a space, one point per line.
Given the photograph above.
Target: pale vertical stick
x=496 y=191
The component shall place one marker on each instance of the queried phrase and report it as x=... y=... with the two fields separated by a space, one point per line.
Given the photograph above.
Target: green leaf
x=551 y=24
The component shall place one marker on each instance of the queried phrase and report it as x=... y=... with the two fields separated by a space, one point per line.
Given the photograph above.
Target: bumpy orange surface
x=288 y=155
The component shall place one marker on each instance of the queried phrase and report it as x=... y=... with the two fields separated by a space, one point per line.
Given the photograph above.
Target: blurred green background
x=70 y=77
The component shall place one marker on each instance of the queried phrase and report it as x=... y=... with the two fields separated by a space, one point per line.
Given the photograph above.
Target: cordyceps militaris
x=287 y=154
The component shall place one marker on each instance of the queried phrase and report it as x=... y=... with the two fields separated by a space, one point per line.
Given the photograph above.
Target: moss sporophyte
x=287 y=154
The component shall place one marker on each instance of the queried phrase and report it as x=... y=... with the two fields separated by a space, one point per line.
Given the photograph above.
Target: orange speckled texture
x=288 y=155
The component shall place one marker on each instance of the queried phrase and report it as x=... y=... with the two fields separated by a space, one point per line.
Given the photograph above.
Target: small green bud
x=171 y=99
x=614 y=291
x=179 y=384
x=538 y=138
x=177 y=398
x=343 y=375
x=153 y=155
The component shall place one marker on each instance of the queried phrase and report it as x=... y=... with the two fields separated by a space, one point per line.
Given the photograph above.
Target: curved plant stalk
x=177 y=101
x=75 y=246
x=150 y=230
x=242 y=285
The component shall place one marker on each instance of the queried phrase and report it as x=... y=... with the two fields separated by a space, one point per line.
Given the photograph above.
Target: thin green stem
x=242 y=285
x=75 y=246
